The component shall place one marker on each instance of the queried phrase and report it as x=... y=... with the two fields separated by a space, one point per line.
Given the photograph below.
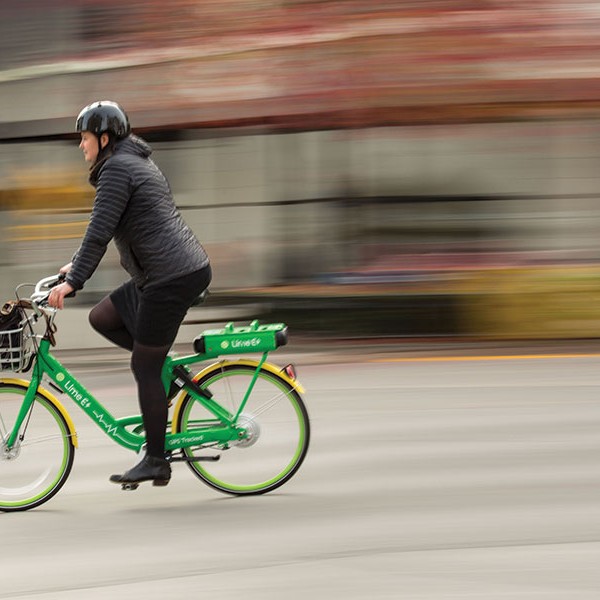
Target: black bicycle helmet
x=104 y=117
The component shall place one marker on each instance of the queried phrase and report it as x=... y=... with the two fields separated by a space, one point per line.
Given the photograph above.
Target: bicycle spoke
x=38 y=464
x=15 y=492
x=3 y=428
x=41 y=440
x=275 y=430
x=267 y=405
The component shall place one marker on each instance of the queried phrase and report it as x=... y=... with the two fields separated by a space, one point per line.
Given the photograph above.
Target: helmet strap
x=105 y=152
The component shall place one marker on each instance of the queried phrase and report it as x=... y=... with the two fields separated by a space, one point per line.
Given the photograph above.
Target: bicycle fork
x=13 y=437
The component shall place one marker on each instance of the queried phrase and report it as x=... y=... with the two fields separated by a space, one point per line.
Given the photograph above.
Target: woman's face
x=89 y=145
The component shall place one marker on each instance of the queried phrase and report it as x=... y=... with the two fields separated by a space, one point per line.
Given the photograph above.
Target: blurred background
x=388 y=168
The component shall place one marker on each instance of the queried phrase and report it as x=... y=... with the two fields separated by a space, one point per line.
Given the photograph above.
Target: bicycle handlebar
x=39 y=297
x=43 y=287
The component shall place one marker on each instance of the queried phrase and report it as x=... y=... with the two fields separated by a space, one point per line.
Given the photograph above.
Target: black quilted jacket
x=134 y=206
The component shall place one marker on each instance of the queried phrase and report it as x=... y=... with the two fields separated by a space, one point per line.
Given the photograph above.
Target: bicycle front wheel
x=39 y=462
x=276 y=422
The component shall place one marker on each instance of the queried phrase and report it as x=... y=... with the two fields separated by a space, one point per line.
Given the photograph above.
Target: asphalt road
x=426 y=480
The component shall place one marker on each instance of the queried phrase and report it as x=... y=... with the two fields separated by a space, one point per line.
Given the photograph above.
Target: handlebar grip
x=62 y=277
x=58 y=279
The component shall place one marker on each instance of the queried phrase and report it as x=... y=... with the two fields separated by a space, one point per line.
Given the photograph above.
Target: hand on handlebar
x=64 y=270
x=58 y=293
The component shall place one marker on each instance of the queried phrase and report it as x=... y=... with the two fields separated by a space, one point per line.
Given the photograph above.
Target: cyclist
x=168 y=266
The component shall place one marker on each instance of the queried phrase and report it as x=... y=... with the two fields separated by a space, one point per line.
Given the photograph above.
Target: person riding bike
x=168 y=266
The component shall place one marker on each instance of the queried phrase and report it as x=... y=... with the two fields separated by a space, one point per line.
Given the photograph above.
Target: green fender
x=242 y=361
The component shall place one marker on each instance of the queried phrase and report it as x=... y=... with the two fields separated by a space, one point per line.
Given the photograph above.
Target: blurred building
x=432 y=152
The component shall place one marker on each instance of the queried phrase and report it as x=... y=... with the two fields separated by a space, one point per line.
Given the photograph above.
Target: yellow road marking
x=41 y=238
x=48 y=225
x=482 y=358
x=25 y=233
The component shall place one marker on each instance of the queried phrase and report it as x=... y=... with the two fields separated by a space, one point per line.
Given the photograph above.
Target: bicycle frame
x=118 y=428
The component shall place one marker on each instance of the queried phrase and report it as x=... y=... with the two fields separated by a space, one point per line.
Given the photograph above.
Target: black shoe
x=151 y=468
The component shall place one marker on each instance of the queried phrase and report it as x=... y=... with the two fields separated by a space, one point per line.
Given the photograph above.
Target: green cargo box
x=239 y=340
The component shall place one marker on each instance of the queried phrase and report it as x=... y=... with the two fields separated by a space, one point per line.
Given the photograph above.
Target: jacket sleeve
x=112 y=194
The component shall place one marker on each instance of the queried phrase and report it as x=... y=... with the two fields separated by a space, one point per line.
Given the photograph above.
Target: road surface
x=433 y=479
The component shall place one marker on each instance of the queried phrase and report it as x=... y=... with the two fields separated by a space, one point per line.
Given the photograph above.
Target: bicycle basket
x=14 y=355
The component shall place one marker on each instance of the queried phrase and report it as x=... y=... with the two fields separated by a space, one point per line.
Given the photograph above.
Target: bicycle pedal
x=130 y=486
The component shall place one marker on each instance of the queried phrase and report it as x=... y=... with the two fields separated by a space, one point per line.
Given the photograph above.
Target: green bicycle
x=239 y=424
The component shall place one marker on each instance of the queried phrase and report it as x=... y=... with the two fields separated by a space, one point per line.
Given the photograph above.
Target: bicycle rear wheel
x=38 y=465
x=277 y=425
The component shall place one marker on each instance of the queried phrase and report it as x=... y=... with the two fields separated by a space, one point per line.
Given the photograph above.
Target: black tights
x=146 y=364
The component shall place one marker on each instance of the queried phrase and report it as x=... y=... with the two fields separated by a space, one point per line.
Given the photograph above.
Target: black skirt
x=153 y=314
